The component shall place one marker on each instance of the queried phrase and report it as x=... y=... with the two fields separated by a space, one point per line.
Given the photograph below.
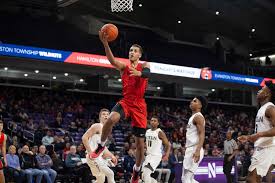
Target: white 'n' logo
x=211 y=170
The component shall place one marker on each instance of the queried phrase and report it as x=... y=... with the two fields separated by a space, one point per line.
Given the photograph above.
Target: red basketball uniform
x=133 y=102
x=2 y=138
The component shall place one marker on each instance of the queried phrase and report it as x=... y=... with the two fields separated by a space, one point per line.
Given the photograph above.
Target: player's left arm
x=166 y=143
x=108 y=154
x=145 y=73
x=270 y=115
x=4 y=149
x=199 y=122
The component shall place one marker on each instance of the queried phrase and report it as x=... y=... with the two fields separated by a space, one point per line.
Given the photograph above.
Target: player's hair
x=103 y=110
x=138 y=46
x=156 y=117
x=204 y=103
x=1 y=121
x=271 y=87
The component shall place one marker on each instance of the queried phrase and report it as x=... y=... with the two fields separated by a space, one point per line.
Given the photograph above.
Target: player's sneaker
x=97 y=152
x=135 y=177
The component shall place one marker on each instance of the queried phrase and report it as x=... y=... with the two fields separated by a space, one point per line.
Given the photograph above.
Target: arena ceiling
x=199 y=20
x=247 y=23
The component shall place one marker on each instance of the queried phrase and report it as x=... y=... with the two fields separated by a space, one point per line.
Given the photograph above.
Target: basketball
x=111 y=30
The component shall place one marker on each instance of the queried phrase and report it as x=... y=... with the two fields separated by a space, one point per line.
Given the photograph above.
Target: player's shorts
x=262 y=159
x=151 y=162
x=188 y=162
x=136 y=109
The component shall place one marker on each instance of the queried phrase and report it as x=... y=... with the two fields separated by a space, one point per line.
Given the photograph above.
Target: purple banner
x=210 y=171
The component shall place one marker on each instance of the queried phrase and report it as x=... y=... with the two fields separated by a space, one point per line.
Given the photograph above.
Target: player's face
x=154 y=122
x=195 y=104
x=134 y=53
x=263 y=93
x=1 y=127
x=104 y=116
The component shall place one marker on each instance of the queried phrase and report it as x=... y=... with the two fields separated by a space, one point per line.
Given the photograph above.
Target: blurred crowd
x=45 y=127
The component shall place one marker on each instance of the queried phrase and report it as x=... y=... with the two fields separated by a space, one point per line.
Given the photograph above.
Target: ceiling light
x=36 y=71
x=217 y=38
x=253 y=30
x=217 y=12
x=25 y=75
x=81 y=80
x=213 y=89
x=179 y=22
x=119 y=80
x=54 y=77
x=6 y=68
x=250 y=54
x=140 y=5
x=43 y=86
x=66 y=74
x=158 y=88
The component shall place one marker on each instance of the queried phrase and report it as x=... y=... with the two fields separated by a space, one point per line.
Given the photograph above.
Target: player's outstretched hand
x=243 y=138
x=196 y=156
x=103 y=36
x=134 y=72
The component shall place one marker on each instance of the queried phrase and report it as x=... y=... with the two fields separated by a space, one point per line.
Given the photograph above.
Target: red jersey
x=133 y=86
x=2 y=138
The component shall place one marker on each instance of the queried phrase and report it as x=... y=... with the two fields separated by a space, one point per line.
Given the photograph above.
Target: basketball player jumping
x=132 y=105
x=155 y=137
x=264 y=143
x=90 y=139
x=194 y=140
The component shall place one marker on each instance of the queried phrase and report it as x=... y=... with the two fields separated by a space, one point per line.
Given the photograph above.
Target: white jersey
x=262 y=124
x=153 y=142
x=192 y=137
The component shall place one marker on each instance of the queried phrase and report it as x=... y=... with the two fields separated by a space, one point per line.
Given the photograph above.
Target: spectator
x=173 y=161
x=81 y=151
x=48 y=139
x=44 y=163
x=216 y=152
x=75 y=165
x=27 y=161
x=57 y=162
x=13 y=167
x=72 y=127
x=66 y=151
x=34 y=150
x=163 y=169
x=128 y=164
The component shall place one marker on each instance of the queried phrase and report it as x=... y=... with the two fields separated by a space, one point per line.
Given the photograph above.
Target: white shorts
x=153 y=160
x=262 y=159
x=188 y=162
x=99 y=167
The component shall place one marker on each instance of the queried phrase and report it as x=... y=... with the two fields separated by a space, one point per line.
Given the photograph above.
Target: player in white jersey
x=155 y=138
x=194 y=140
x=99 y=166
x=264 y=142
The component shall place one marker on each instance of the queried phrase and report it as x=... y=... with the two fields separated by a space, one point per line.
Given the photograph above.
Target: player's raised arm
x=117 y=64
